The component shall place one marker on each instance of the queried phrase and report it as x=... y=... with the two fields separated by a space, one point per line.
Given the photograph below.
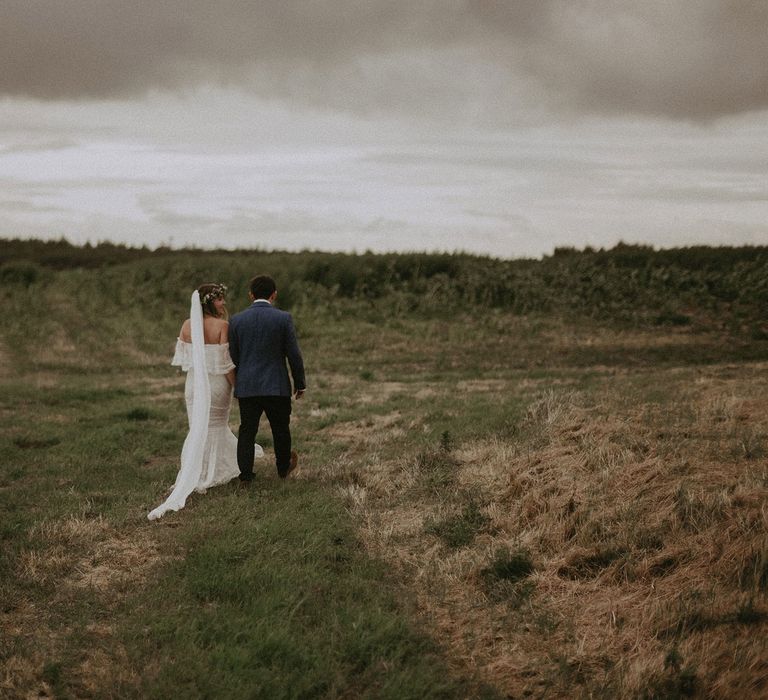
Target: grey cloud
x=25 y=207
x=55 y=186
x=707 y=194
x=697 y=60
x=102 y=48
x=470 y=59
x=35 y=146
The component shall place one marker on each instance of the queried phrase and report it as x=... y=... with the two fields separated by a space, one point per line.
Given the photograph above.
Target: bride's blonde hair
x=208 y=293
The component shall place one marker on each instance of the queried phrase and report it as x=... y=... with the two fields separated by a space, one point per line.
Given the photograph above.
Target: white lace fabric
x=209 y=455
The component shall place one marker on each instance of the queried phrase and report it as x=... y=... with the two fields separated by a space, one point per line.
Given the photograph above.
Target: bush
x=629 y=284
x=459 y=530
x=510 y=566
x=20 y=272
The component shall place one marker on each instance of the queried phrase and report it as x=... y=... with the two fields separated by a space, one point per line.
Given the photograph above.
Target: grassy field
x=505 y=493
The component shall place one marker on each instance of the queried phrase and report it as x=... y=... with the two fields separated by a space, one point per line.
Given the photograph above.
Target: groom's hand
x=300 y=393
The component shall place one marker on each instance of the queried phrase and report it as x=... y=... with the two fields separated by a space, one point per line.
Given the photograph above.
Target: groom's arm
x=295 y=360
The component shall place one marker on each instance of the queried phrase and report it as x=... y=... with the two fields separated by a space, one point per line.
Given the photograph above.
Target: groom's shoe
x=293 y=464
x=244 y=483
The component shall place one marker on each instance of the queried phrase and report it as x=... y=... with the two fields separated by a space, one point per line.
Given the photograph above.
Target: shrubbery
x=627 y=283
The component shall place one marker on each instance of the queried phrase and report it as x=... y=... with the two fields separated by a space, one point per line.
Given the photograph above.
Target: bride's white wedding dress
x=220 y=450
x=209 y=455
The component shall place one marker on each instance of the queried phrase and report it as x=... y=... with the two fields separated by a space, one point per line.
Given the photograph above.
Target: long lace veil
x=194 y=445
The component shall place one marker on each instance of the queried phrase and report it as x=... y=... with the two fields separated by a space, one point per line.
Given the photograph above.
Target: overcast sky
x=505 y=128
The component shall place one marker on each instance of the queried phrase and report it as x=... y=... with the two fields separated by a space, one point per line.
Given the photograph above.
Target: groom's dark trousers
x=278 y=410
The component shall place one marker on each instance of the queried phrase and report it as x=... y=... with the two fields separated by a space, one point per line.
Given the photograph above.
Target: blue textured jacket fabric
x=261 y=339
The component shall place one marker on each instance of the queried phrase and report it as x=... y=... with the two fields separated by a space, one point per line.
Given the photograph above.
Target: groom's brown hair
x=262 y=287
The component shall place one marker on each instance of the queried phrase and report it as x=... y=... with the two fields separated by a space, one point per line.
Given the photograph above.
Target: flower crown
x=218 y=291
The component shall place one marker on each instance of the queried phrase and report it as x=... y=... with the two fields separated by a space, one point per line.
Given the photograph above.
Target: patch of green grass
x=437 y=468
x=459 y=530
x=52 y=675
x=279 y=601
x=139 y=414
x=511 y=566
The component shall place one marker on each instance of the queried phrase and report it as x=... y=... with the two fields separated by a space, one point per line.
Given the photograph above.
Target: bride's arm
x=224 y=338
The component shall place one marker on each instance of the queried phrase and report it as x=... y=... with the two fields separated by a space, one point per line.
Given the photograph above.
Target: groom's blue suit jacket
x=261 y=338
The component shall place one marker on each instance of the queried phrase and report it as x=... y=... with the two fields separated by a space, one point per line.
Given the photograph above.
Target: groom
x=261 y=338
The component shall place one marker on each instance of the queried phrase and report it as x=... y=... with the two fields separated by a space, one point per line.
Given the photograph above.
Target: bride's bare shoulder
x=223 y=330
x=185 y=333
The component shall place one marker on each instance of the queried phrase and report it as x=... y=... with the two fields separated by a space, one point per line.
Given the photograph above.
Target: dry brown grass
x=646 y=522
x=71 y=557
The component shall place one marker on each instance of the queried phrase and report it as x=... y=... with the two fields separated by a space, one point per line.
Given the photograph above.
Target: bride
x=209 y=455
